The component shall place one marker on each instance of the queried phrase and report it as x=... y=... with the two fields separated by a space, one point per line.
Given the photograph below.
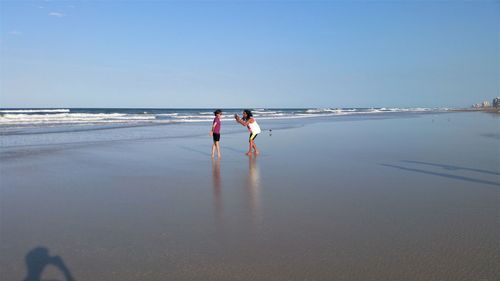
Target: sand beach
x=388 y=197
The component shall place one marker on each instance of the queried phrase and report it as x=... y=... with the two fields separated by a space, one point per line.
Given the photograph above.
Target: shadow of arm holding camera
x=39 y=258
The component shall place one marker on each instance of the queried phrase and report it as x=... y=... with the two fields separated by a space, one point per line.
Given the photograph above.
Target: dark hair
x=217 y=111
x=249 y=114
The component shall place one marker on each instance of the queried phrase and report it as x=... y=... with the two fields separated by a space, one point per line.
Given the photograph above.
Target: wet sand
x=385 y=199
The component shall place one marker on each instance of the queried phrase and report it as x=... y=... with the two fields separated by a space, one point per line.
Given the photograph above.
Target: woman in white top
x=253 y=128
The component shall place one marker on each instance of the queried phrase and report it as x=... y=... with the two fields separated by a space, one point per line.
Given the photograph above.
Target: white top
x=254 y=127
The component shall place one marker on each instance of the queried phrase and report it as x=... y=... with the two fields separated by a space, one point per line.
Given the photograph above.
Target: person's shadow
x=38 y=259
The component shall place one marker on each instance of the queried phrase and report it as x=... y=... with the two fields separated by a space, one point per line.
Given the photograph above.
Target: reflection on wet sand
x=252 y=189
x=217 y=200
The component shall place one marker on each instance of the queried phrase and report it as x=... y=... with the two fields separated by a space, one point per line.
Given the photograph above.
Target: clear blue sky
x=248 y=54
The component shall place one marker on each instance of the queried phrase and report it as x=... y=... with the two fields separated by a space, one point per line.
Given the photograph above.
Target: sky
x=173 y=54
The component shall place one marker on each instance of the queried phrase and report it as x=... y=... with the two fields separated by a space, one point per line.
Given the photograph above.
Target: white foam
x=55 y=117
x=188 y=117
x=192 y=120
x=321 y=110
x=33 y=110
x=59 y=118
x=263 y=112
x=167 y=114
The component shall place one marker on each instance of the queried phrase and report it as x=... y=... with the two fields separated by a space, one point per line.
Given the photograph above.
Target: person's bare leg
x=213 y=150
x=255 y=148
x=218 y=149
x=249 y=148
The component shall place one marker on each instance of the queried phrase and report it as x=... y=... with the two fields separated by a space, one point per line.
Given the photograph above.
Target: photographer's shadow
x=38 y=259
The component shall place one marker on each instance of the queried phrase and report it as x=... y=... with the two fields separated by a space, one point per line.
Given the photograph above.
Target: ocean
x=40 y=126
x=29 y=117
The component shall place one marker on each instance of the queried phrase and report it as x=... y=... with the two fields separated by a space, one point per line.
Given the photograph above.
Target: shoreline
x=129 y=132
x=487 y=110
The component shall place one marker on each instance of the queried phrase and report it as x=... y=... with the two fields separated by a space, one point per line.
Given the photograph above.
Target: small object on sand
x=270 y=132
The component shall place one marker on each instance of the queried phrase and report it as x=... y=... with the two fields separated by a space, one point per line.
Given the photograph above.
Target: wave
x=321 y=110
x=59 y=118
x=167 y=114
x=37 y=117
x=263 y=112
x=33 y=110
x=188 y=120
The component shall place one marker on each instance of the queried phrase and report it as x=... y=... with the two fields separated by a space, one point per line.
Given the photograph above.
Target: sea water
x=48 y=126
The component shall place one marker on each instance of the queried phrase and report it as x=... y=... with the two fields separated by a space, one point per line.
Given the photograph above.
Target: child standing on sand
x=253 y=128
x=215 y=132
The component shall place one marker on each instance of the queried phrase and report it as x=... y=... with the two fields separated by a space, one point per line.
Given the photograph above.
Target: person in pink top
x=215 y=132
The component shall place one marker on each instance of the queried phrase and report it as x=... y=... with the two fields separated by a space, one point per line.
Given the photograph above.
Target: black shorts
x=216 y=137
x=252 y=137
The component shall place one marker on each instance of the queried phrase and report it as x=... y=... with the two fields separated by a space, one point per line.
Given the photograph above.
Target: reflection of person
x=215 y=132
x=253 y=189
x=217 y=189
x=38 y=258
x=253 y=128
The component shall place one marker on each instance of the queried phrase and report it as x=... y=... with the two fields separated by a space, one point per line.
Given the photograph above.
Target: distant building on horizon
x=486 y=104
x=496 y=102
